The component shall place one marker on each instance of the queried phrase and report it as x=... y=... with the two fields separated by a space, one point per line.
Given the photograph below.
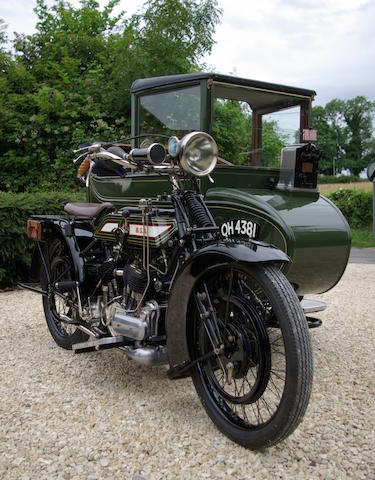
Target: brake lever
x=90 y=148
x=80 y=156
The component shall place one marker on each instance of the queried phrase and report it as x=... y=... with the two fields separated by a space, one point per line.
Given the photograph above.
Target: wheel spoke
x=276 y=388
x=267 y=406
x=276 y=340
x=274 y=350
x=259 y=413
x=277 y=375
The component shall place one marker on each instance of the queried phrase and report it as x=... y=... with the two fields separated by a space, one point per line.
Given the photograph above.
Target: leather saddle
x=86 y=209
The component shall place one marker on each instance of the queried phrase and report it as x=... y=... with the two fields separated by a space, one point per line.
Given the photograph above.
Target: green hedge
x=356 y=205
x=339 y=179
x=15 y=248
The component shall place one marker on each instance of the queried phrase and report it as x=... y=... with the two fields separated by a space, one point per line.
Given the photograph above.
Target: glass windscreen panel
x=176 y=112
x=235 y=127
x=232 y=130
x=279 y=129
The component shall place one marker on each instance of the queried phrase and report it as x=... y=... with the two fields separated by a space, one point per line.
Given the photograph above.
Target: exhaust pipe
x=147 y=355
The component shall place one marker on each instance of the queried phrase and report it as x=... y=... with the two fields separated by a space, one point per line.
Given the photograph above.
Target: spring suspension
x=197 y=210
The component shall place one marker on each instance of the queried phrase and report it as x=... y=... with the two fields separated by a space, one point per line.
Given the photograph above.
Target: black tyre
x=61 y=266
x=257 y=386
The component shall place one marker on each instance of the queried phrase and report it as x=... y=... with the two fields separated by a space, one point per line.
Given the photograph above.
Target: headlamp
x=198 y=153
x=173 y=147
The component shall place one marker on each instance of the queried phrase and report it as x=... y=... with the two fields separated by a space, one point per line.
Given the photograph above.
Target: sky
x=324 y=45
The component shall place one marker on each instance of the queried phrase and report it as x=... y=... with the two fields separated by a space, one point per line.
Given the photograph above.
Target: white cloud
x=326 y=45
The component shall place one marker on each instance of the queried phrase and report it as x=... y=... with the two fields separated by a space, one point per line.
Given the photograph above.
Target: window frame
x=136 y=106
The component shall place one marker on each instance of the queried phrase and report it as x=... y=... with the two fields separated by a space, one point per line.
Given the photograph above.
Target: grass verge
x=362 y=238
x=326 y=188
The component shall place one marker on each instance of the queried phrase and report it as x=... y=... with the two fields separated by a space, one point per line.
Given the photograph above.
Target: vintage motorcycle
x=166 y=287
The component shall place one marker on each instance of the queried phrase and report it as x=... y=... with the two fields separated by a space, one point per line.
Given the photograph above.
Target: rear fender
x=61 y=228
x=211 y=256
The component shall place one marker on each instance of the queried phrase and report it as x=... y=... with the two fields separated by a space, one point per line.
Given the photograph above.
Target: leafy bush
x=15 y=248
x=356 y=205
x=339 y=179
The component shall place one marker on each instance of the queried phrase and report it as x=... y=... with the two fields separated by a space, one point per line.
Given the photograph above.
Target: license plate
x=240 y=228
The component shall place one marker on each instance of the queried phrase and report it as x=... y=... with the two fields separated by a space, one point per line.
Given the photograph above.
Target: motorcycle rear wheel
x=256 y=390
x=61 y=267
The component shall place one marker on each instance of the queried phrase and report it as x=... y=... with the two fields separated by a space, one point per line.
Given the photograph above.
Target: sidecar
x=260 y=189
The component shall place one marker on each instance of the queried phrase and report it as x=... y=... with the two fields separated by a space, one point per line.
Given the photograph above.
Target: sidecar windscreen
x=175 y=112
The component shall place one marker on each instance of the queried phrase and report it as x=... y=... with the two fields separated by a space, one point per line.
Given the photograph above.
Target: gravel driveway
x=98 y=415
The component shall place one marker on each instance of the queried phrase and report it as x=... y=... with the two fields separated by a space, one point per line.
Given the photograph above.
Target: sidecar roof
x=156 y=82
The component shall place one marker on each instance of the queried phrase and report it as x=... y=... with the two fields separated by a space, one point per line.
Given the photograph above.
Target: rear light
x=34 y=229
x=309 y=135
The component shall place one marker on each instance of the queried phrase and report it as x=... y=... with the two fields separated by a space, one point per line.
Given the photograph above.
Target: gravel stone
x=99 y=415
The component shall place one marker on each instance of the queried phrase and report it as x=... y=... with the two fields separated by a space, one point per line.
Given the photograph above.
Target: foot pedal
x=99 y=344
x=313 y=322
x=312 y=306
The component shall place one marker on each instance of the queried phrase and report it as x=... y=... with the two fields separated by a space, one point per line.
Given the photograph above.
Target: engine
x=130 y=324
x=134 y=317
x=135 y=284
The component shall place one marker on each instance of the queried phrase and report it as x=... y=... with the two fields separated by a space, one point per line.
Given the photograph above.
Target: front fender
x=214 y=254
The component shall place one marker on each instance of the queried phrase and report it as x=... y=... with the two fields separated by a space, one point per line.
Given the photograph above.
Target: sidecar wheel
x=257 y=388
x=65 y=335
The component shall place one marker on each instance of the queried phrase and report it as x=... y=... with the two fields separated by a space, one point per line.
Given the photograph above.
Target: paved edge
x=362 y=255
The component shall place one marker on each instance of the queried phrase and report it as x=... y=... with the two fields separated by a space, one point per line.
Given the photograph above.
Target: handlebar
x=155 y=155
x=151 y=157
x=114 y=158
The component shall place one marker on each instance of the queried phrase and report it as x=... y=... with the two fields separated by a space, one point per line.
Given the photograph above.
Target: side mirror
x=371 y=172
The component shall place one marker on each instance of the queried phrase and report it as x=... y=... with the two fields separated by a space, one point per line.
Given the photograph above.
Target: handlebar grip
x=154 y=154
x=83 y=168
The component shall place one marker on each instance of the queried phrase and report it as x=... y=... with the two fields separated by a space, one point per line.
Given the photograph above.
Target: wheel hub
x=246 y=346
x=238 y=350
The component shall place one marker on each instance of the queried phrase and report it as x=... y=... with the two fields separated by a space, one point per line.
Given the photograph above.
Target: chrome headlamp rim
x=184 y=142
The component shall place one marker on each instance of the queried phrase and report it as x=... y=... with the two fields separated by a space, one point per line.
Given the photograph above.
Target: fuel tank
x=160 y=229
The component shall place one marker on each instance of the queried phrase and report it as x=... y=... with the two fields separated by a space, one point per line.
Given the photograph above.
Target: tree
x=327 y=141
x=166 y=37
x=345 y=133
x=232 y=130
x=272 y=143
x=356 y=118
x=69 y=81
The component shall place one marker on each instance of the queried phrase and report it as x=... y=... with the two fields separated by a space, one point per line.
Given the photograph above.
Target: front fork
x=211 y=324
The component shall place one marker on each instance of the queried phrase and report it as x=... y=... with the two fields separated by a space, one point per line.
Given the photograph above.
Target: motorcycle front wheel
x=256 y=385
